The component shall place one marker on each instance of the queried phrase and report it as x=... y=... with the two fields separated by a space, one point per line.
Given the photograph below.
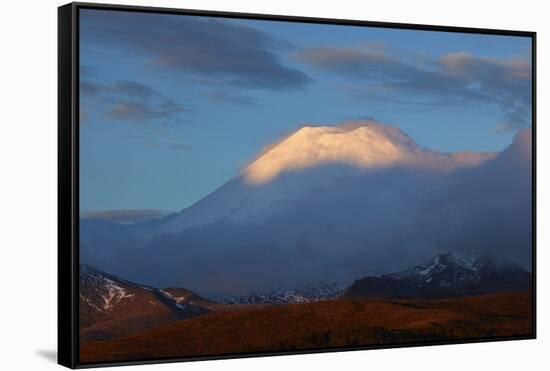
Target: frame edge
x=534 y=177
x=68 y=263
x=66 y=279
x=302 y=19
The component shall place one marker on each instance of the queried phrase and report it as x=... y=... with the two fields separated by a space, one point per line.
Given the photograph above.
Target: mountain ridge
x=307 y=294
x=444 y=276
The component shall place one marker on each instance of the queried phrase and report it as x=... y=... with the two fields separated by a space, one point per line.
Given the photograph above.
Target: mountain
x=331 y=203
x=308 y=294
x=263 y=187
x=110 y=306
x=444 y=276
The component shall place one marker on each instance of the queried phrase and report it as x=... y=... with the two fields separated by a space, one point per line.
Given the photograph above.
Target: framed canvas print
x=235 y=185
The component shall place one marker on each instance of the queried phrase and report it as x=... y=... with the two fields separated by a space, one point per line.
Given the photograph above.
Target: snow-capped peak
x=364 y=144
x=445 y=269
x=261 y=190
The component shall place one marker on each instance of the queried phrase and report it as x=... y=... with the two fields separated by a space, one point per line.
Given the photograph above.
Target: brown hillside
x=111 y=307
x=324 y=324
x=143 y=311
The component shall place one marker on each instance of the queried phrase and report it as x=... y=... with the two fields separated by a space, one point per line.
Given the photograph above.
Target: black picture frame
x=68 y=174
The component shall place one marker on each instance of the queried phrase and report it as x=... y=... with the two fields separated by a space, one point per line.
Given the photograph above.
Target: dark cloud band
x=130 y=101
x=125 y=215
x=237 y=54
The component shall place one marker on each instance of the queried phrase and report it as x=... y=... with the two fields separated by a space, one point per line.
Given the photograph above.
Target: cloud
x=125 y=87
x=83 y=115
x=360 y=118
x=179 y=147
x=514 y=120
x=221 y=96
x=131 y=111
x=130 y=101
x=126 y=216
x=173 y=146
x=368 y=61
x=87 y=71
x=453 y=80
x=237 y=54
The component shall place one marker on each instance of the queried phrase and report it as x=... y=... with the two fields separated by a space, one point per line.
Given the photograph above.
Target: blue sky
x=174 y=106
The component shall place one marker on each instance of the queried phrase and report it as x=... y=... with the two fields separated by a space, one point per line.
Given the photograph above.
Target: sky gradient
x=174 y=106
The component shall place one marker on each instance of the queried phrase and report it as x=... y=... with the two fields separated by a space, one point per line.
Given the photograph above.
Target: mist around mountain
x=329 y=204
x=446 y=275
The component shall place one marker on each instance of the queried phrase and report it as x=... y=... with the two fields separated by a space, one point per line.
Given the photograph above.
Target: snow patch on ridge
x=109 y=290
x=115 y=294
